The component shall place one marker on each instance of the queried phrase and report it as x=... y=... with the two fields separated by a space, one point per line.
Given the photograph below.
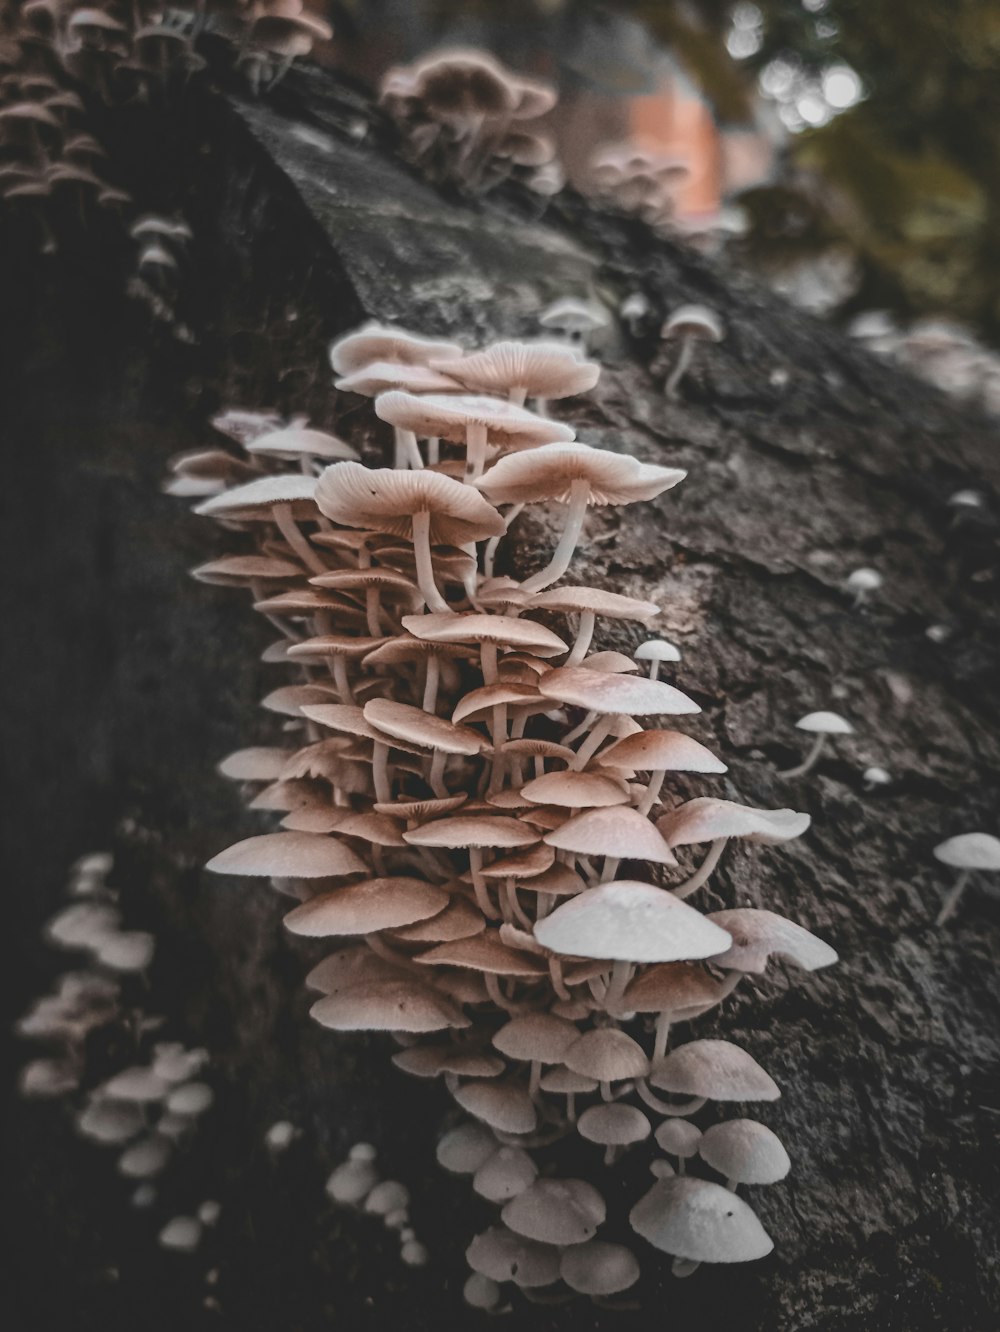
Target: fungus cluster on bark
x=638 y=180
x=474 y=816
x=466 y=118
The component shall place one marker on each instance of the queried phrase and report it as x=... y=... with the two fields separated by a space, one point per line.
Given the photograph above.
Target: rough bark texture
x=126 y=683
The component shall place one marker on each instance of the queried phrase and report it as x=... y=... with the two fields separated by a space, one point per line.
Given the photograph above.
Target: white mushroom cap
x=542 y=369
x=256 y=499
x=548 y=473
x=505 y=1174
x=182 y=1233
x=384 y=500
x=503 y=1105
x=657 y=649
x=464 y=1149
x=598 y=1268
x=745 y=1151
x=480 y=1292
x=556 y=1211
x=758 y=934
x=449 y=416
x=702 y=1222
x=864 y=580
x=295 y=442
x=678 y=1137
x=112 y=1122
x=146 y=1158
x=705 y=818
x=975 y=851
x=288 y=855
x=574 y=316
x=190 y=1099
x=503 y=1256
x=825 y=723
x=613 y=1124
x=716 y=1070
x=694 y=321
x=630 y=922
x=631 y=695
x=379 y=342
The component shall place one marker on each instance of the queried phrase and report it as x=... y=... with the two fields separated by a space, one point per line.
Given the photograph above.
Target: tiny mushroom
x=690 y=324
x=823 y=725
x=706 y=819
x=969 y=853
x=744 y=1152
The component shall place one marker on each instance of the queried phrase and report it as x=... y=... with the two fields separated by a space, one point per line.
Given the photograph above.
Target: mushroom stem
x=380 y=773
x=289 y=529
x=533 y=1076
x=433 y=450
x=652 y=791
x=662 y=1033
x=517 y=395
x=425 y=565
x=584 y=636
x=654 y=668
x=510 y=897
x=372 y=612
x=621 y=974
x=563 y=553
x=377 y=944
x=678 y=372
x=556 y=976
x=577 y=731
x=594 y=740
x=475 y=449
x=479 y=884
x=610 y=869
x=819 y=744
x=952 y=900
x=341 y=679
x=690 y=1107
x=432 y=678
x=490 y=552
x=497 y=995
x=704 y=871
x=435 y=778
x=488 y=662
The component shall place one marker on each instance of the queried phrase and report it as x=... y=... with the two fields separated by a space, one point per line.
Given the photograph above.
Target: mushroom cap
x=574 y=790
x=402 y=721
x=505 y=1174
x=385 y=500
x=384 y=376
x=138 y=1084
x=660 y=751
x=598 y=1268
x=864 y=580
x=459 y=920
x=448 y=416
x=657 y=649
x=757 y=934
x=255 y=501
x=615 y=831
x=670 y=986
x=530 y=864
x=716 y=1070
x=556 y=1211
x=542 y=369
x=705 y=818
x=745 y=1151
x=573 y=315
x=379 y=342
x=430 y=1061
x=367 y=907
x=694 y=321
x=678 y=1137
x=464 y=1149
x=472 y=830
x=503 y=1256
x=632 y=695
x=548 y=473
x=495 y=695
x=296 y=442
x=976 y=851
x=607 y=1054
x=705 y=1223
x=613 y=1124
x=461 y=83
x=242 y=570
x=505 y=1106
x=288 y=855
x=564 y=1082
x=392 y=1005
x=540 y=1037
x=111 y=1122
x=485 y=953
x=505 y=630
x=630 y=922
x=596 y=601
x=825 y=723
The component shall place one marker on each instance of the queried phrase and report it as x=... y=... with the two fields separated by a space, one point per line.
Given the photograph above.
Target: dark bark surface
x=126 y=683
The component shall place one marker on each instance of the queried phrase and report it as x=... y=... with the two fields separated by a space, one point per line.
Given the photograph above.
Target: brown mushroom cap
x=596 y=601
x=613 y=1124
x=485 y=953
x=596 y=691
x=348 y=968
x=464 y=1149
x=541 y=369
x=385 y=500
x=598 y=1268
x=702 y=1222
x=745 y=1151
x=539 y=1037
x=574 y=790
x=673 y=985
x=505 y=1106
x=482 y=830
x=430 y=1061
x=505 y=630
x=367 y=907
x=459 y=920
x=296 y=442
x=716 y=1070
x=660 y=751
x=607 y=1054
x=757 y=935
x=556 y=1211
x=255 y=501
x=288 y=855
x=612 y=831
x=378 y=342
x=630 y=922
x=243 y=570
x=505 y=1174
x=259 y=763
x=384 y=376
x=390 y=1005
x=449 y=416
x=548 y=473
x=705 y=819
x=402 y=721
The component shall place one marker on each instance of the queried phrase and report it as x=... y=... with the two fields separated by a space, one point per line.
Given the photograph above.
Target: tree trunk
x=126 y=683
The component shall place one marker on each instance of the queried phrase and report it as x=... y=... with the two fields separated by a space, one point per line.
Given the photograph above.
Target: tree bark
x=126 y=683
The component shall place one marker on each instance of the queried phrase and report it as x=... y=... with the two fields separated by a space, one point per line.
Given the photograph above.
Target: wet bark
x=126 y=683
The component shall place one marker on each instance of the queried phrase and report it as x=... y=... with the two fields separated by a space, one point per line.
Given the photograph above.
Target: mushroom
x=690 y=324
x=538 y=1038
x=658 y=752
x=598 y=1268
x=678 y=1138
x=699 y=1222
x=578 y=476
x=555 y=1211
x=823 y=724
x=613 y=1126
x=539 y=370
x=656 y=651
x=589 y=603
x=706 y=819
x=502 y=1255
x=744 y=1152
x=708 y=1070
x=508 y=1172
x=861 y=582
x=969 y=853
x=575 y=319
x=463 y=1150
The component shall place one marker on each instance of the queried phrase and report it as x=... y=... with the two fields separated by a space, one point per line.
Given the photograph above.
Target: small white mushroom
x=861 y=582
x=634 y=310
x=875 y=777
x=655 y=651
x=182 y=1234
x=969 y=853
x=280 y=1136
x=823 y=725
x=689 y=324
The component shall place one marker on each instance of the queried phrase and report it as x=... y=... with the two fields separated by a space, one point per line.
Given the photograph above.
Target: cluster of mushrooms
x=460 y=787
x=467 y=119
x=638 y=180
x=148 y=1110
x=943 y=352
